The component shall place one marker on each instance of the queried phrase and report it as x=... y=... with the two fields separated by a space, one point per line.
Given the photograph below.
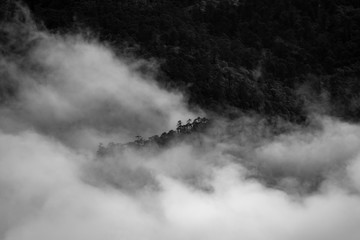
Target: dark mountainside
x=270 y=57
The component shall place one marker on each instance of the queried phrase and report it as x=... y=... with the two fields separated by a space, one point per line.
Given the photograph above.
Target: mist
x=69 y=82
x=244 y=181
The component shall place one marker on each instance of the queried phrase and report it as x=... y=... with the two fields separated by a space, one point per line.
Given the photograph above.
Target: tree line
x=189 y=131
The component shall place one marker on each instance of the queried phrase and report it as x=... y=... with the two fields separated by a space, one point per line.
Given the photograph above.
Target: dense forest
x=270 y=57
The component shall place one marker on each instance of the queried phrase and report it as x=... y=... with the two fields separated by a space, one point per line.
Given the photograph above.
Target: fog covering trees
x=253 y=55
x=236 y=172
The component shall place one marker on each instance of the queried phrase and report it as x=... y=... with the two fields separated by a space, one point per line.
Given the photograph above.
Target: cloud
x=67 y=82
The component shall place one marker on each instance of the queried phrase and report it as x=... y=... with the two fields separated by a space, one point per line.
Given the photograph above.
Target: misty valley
x=179 y=120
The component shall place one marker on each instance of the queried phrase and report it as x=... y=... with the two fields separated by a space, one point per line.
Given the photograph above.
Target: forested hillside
x=271 y=57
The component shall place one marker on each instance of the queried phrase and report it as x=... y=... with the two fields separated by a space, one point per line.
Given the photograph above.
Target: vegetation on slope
x=252 y=55
x=189 y=132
